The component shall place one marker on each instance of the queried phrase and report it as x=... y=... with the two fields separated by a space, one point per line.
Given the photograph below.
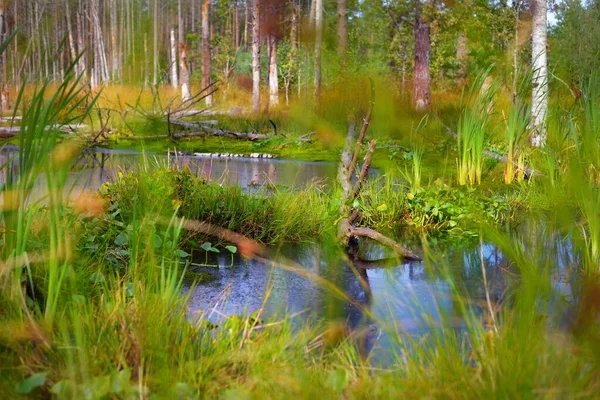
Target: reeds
x=472 y=135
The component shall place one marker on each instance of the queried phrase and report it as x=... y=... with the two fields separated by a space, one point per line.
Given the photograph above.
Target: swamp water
x=401 y=297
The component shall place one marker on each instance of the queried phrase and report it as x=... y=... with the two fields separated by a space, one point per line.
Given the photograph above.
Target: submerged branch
x=386 y=241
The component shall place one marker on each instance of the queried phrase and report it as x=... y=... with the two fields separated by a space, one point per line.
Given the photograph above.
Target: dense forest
x=293 y=47
x=257 y=199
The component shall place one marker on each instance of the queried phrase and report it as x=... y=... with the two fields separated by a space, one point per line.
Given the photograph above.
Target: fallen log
x=206 y=132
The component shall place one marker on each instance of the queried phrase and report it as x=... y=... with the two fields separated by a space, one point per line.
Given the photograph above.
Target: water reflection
x=98 y=165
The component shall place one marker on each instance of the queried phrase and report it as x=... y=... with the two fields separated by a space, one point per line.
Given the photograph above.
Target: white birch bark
x=255 y=56
x=174 y=78
x=539 y=96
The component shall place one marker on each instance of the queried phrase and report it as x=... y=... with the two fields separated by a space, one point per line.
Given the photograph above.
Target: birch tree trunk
x=421 y=76
x=155 y=47
x=80 y=40
x=206 y=50
x=72 y=45
x=101 y=74
x=174 y=78
x=539 y=97
x=113 y=41
x=318 y=45
x=180 y=37
x=342 y=31
x=4 y=102
x=273 y=73
x=184 y=74
x=256 y=55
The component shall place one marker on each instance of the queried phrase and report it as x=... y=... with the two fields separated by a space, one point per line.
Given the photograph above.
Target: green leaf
x=206 y=246
x=156 y=241
x=382 y=207
x=121 y=239
x=338 y=379
x=181 y=253
x=34 y=381
x=231 y=249
x=98 y=277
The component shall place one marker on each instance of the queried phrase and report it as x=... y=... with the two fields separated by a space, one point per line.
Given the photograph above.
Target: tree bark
x=4 y=101
x=421 y=76
x=114 y=47
x=206 y=50
x=174 y=78
x=318 y=45
x=256 y=55
x=101 y=74
x=342 y=31
x=273 y=73
x=539 y=97
x=80 y=40
x=72 y=45
x=155 y=47
x=184 y=73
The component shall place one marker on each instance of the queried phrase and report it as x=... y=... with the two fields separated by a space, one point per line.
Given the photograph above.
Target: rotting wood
x=347 y=232
x=205 y=133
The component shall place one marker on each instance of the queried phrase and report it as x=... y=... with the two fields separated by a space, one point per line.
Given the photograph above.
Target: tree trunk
x=180 y=37
x=206 y=50
x=101 y=74
x=113 y=41
x=294 y=26
x=184 y=73
x=539 y=97
x=174 y=78
x=4 y=101
x=421 y=77
x=342 y=31
x=72 y=46
x=318 y=44
x=256 y=55
x=273 y=73
x=80 y=40
x=155 y=47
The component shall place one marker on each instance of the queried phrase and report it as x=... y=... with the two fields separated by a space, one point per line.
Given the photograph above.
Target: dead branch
x=391 y=243
x=361 y=138
x=206 y=132
x=365 y=168
x=347 y=233
x=344 y=173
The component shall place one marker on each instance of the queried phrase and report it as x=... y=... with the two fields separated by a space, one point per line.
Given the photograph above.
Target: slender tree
x=318 y=46
x=342 y=30
x=273 y=72
x=206 y=50
x=184 y=73
x=421 y=75
x=539 y=97
x=256 y=55
x=173 y=65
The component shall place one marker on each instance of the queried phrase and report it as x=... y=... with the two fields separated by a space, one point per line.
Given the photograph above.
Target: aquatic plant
x=472 y=135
